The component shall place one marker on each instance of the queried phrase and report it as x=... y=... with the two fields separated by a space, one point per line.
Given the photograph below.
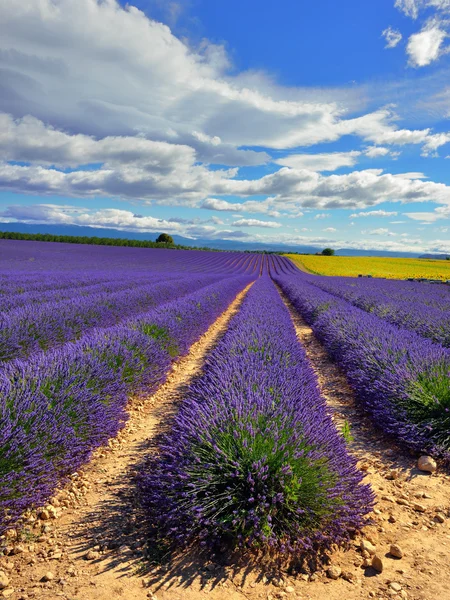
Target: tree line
x=100 y=241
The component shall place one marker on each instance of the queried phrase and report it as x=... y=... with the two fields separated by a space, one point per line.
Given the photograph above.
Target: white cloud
x=62 y=60
x=380 y=231
x=426 y=46
x=392 y=36
x=289 y=190
x=376 y=151
x=120 y=219
x=411 y=8
x=434 y=142
x=330 y=229
x=250 y=206
x=373 y=213
x=322 y=216
x=320 y=162
x=256 y=223
x=29 y=140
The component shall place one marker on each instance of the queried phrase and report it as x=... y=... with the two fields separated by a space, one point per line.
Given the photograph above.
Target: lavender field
x=251 y=457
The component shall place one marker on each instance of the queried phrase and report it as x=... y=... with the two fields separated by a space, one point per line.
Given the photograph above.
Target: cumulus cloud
x=330 y=229
x=320 y=162
x=288 y=190
x=425 y=47
x=376 y=151
x=392 y=36
x=65 y=215
x=256 y=223
x=169 y=91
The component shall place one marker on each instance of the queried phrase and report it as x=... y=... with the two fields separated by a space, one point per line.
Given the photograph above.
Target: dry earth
x=90 y=544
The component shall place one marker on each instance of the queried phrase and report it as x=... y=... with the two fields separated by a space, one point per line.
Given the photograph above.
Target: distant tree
x=328 y=252
x=164 y=238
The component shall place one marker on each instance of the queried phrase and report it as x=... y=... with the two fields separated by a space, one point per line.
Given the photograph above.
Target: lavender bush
x=252 y=457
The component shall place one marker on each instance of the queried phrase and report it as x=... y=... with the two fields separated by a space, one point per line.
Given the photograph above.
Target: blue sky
x=318 y=123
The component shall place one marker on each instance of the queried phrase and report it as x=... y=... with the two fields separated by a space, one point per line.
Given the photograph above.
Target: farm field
x=391 y=268
x=175 y=423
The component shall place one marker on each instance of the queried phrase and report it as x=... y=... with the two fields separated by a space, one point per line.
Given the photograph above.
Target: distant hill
x=78 y=230
x=436 y=256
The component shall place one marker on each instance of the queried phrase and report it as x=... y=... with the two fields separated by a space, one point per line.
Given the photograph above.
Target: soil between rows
x=105 y=524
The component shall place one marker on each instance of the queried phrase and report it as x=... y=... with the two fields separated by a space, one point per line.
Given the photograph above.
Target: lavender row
x=401 y=378
x=125 y=282
x=31 y=328
x=56 y=408
x=422 y=308
x=19 y=284
x=252 y=458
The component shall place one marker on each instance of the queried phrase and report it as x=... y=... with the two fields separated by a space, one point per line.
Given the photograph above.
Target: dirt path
x=95 y=548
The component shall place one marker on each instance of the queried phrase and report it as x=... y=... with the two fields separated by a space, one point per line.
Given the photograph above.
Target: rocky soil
x=89 y=543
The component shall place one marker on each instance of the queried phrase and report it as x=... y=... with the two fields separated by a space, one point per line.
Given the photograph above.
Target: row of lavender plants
x=423 y=308
x=57 y=407
x=252 y=458
x=401 y=378
x=125 y=282
x=33 y=328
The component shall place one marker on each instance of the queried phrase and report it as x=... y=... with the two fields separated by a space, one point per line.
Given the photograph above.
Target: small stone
x=52 y=511
x=8 y=592
x=367 y=562
x=419 y=507
x=4 y=580
x=388 y=498
x=289 y=589
x=439 y=518
x=402 y=502
x=44 y=515
x=348 y=576
x=395 y=586
x=92 y=555
x=392 y=519
x=404 y=595
x=278 y=582
x=393 y=475
x=334 y=572
x=367 y=546
x=426 y=463
x=377 y=564
x=396 y=551
x=48 y=576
